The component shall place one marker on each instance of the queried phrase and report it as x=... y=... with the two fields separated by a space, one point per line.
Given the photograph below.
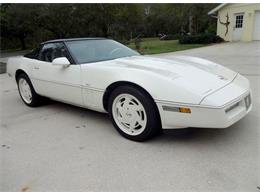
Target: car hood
x=192 y=73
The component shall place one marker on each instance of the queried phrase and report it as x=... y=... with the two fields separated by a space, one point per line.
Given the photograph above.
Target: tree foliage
x=25 y=25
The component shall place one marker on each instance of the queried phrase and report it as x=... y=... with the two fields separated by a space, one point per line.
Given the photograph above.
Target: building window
x=239 y=21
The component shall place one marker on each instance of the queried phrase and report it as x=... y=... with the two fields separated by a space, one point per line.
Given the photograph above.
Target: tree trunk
x=191 y=24
x=22 y=40
x=105 y=28
x=131 y=35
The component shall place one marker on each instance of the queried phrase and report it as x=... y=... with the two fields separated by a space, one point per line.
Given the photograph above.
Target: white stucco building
x=237 y=21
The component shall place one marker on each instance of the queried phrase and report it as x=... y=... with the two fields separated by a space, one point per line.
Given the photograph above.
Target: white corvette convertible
x=141 y=94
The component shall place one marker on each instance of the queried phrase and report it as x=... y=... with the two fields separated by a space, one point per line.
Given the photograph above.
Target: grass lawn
x=155 y=46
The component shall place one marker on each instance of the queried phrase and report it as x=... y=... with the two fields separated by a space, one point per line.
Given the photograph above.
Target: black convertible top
x=73 y=39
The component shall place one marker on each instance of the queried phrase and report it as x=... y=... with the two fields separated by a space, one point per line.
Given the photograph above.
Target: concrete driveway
x=59 y=147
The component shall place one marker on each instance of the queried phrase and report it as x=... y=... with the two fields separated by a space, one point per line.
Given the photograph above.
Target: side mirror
x=62 y=61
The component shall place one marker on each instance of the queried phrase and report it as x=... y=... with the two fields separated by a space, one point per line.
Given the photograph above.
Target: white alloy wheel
x=129 y=114
x=25 y=90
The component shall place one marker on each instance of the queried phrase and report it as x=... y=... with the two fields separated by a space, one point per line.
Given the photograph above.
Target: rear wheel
x=27 y=92
x=133 y=113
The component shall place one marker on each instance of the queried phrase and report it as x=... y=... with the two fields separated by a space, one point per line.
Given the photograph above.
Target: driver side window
x=50 y=51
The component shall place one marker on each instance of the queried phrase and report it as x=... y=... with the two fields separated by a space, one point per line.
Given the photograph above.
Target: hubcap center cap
x=129 y=114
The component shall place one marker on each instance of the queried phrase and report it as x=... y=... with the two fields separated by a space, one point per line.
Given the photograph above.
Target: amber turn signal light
x=184 y=110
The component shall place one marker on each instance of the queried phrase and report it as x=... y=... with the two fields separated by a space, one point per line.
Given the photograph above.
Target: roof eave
x=216 y=8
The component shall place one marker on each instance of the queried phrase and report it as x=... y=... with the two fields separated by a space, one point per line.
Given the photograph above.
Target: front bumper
x=231 y=104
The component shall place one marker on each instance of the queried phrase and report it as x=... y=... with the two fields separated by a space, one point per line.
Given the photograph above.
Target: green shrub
x=205 y=38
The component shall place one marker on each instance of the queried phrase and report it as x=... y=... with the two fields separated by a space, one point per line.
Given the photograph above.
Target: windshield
x=86 y=51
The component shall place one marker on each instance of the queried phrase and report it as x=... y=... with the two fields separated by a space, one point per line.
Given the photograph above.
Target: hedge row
x=205 y=38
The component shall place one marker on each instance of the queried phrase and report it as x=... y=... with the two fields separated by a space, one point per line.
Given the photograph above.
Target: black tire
x=36 y=99
x=153 y=125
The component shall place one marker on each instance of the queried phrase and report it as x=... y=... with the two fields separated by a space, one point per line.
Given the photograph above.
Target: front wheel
x=27 y=92
x=133 y=113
